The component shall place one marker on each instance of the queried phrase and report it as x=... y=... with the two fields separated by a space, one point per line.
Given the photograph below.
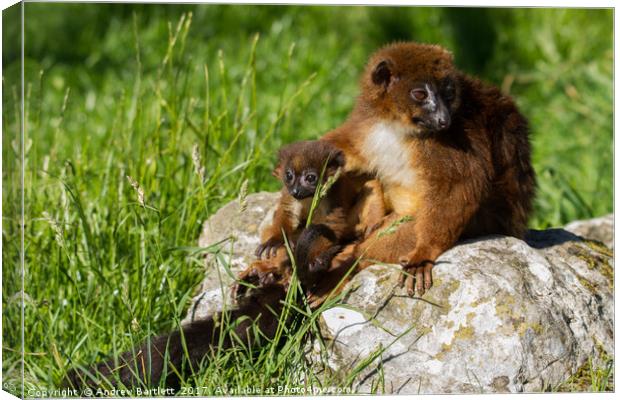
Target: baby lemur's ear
x=277 y=171
x=336 y=160
x=283 y=155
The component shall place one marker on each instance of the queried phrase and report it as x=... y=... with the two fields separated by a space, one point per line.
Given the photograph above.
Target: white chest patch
x=301 y=210
x=297 y=212
x=387 y=150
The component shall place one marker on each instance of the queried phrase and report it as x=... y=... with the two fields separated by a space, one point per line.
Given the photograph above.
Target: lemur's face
x=427 y=104
x=416 y=86
x=301 y=184
x=300 y=165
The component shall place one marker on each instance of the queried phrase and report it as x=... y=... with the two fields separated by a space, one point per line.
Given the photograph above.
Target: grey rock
x=234 y=234
x=601 y=229
x=504 y=315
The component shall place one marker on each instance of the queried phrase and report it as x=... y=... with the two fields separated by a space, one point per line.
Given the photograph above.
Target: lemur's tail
x=165 y=358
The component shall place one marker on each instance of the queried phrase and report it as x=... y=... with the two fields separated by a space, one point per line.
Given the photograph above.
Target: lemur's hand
x=269 y=247
x=258 y=274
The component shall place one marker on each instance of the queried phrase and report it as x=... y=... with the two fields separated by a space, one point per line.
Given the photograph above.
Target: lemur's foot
x=269 y=248
x=419 y=276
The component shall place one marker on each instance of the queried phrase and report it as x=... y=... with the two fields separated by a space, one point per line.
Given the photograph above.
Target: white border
x=524 y=3
x=437 y=3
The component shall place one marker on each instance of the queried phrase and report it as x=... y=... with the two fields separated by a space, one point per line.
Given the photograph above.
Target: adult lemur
x=450 y=151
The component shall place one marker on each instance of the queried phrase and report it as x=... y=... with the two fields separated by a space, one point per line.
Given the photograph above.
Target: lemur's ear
x=336 y=160
x=382 y=73
x=277 y=171
x=283 y=155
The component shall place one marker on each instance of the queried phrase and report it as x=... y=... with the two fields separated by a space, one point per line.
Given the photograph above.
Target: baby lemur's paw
x=259 y=274
x=269 y=248
x=239 y=289
x=243 y=288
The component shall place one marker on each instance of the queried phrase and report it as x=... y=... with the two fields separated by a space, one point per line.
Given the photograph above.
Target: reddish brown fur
x=475 y=178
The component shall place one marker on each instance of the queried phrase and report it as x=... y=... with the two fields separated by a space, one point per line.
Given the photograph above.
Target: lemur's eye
x=311 y=178
x=289 y=175
x=419 y=94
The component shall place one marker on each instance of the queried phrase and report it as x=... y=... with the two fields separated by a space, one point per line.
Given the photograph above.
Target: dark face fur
x=415 y=85
x=302 y=183
x=300 y=165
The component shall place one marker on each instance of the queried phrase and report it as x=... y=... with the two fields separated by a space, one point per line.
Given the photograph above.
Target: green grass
x=155 y=93
x=592 y=376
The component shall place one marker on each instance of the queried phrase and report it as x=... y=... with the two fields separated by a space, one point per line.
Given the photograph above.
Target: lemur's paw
x=416 y=278
x=269 y=248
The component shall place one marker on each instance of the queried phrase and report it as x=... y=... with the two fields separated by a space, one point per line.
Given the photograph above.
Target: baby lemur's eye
x=289 y=175
x=419 y=94
x=311 y=177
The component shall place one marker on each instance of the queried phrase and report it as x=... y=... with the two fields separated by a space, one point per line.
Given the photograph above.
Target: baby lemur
x=449 y=150
x=299 y=167
x=348 y=210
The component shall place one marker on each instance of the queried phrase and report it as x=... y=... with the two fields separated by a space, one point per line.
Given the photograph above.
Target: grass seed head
x=58 y=232
x=329 y=183
x=138 y=189
x=394 y=225
x=198 y=167
x=243 y=196
x=135 y=325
